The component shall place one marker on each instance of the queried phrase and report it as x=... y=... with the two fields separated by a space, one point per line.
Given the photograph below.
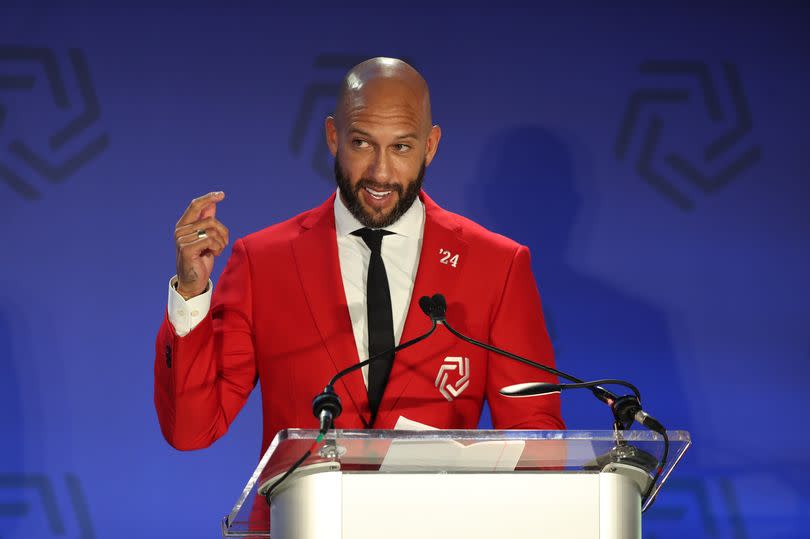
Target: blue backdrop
x=654 y=158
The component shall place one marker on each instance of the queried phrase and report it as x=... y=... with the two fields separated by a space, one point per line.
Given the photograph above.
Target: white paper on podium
x=449 y=455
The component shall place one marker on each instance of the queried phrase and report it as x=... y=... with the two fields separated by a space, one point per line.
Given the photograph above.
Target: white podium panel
x=338 y=505
x=455 y=484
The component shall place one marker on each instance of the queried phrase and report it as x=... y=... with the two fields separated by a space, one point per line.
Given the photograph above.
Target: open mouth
x=377 y=195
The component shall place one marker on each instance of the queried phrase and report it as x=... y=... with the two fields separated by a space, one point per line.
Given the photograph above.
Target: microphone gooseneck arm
x=625 y=409
x=436 y=309
x=326 y=405
x=376 y=357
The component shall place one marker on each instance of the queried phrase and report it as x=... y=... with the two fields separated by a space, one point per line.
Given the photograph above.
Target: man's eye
x=402 y=147
x=359 y=143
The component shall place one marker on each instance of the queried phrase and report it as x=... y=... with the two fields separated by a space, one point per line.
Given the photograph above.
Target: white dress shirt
x=400 y=253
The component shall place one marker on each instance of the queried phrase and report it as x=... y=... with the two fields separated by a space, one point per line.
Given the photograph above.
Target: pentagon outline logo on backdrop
x=22 y=167
x=724 y=158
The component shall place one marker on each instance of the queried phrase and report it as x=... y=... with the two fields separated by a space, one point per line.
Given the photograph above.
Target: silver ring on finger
x=201 y=234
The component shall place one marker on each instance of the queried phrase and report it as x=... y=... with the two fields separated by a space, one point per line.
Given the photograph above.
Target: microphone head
x=327 y=400
x=439 y=306
x=426 y=304
x=530 y=389
x=625 y=410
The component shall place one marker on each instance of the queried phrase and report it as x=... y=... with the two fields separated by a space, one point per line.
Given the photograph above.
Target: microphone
x=436 y=309
x=625 y=409
x=426 y=304
x=326 y=405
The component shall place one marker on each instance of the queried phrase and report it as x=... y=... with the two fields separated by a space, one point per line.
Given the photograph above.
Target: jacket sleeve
x=518 y=327
x=203 y=379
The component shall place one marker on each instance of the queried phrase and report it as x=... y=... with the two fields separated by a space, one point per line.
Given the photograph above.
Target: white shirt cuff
x=185 y=315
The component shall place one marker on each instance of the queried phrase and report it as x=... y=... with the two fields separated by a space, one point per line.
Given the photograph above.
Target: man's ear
x=432 y=143
x=331 y=134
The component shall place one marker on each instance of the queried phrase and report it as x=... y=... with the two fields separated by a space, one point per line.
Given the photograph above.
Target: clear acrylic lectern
x=453 y=483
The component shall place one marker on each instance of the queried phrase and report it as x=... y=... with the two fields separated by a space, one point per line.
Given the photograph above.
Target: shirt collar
x=409 y=225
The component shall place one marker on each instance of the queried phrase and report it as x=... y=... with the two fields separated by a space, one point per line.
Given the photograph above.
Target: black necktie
x=380 y=319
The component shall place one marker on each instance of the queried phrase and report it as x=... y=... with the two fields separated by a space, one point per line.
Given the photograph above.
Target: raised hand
x=198 y=238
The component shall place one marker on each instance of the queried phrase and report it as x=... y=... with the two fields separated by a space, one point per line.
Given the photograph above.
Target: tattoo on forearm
x=191 y=275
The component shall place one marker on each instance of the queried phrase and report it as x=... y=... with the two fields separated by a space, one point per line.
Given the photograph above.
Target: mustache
x=371 y=184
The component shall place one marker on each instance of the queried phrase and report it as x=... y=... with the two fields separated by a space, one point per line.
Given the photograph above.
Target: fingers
x=201 y=207
x=208 y=224
x=192 y=245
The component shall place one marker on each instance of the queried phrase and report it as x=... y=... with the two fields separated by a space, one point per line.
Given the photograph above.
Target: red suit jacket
x=279 y=317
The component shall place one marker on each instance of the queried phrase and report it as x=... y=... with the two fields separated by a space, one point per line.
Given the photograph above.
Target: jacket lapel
x=436 y=273
x=316 y=256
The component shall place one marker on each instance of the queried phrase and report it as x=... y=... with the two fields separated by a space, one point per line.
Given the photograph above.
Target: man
x=302 y=299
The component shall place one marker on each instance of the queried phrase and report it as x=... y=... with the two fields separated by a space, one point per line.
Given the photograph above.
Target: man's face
x=362 y=198
x=381 y=148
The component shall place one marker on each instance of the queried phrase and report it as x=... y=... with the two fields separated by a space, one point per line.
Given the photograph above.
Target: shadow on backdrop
x=525 y=190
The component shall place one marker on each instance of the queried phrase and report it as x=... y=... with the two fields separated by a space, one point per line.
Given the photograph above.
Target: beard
x=370 y=218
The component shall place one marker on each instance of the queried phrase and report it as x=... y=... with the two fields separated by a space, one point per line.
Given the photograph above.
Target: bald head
x=382 y=139
x=388 y=84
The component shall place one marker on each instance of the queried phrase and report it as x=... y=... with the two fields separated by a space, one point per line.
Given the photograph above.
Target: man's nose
x=381 y=167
